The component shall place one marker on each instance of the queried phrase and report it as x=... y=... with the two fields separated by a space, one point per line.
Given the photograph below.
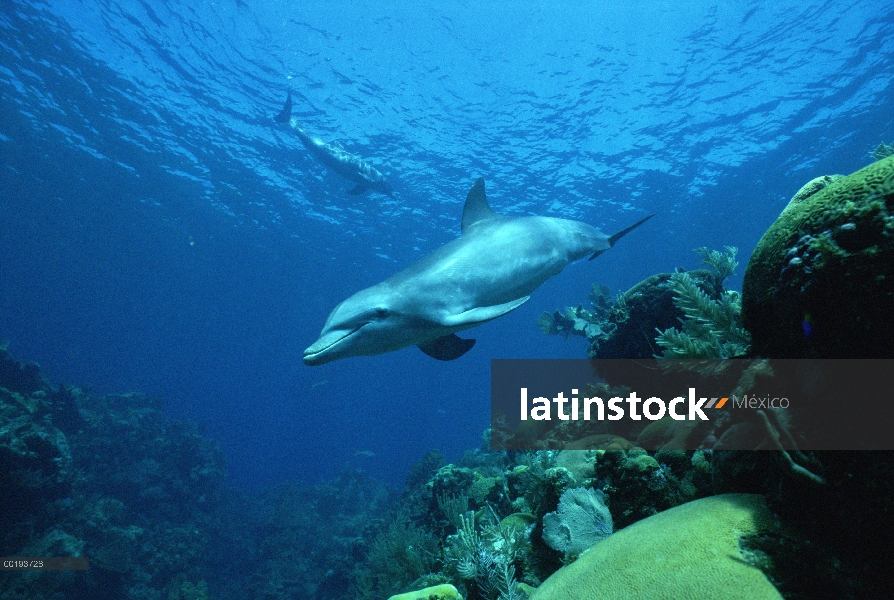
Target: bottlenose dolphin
x=349 y=166
x=491 y=269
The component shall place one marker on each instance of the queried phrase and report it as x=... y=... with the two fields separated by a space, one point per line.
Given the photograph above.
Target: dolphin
x=349 y=166
x=490 y=270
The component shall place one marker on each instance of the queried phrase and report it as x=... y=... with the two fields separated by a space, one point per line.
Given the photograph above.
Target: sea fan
x=581 y=521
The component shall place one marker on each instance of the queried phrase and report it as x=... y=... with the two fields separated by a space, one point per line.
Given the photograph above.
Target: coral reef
x=820 y=283
x=35 y=462
x=400 y=558
x=625 y=327
x=639 y=485
x=697 y=546
x=308 y=539
x=531 y=513
x=105 y=477
x=110 y=478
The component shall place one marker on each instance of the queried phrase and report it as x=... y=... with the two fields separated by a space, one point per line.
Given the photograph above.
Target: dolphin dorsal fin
x=476 y=208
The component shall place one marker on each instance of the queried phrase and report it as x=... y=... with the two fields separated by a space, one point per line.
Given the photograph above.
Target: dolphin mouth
x=315 y=355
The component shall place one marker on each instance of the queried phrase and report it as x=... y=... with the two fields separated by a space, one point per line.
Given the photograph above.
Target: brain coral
x=820 y=283
x=445 y=591
x=687 y=552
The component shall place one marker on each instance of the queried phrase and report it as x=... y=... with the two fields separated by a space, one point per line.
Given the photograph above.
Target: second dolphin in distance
x=490 y=270
x=350 y=166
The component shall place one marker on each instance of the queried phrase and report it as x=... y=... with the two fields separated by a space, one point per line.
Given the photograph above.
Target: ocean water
x=159 y=232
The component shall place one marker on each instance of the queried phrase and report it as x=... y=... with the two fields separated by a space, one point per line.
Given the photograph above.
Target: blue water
x=159 y=233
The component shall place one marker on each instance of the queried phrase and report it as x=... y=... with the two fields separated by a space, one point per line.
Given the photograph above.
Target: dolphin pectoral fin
x=358 y=189
x=286 y=113
x=619 y=235
x=482 y=314
x=449 y=347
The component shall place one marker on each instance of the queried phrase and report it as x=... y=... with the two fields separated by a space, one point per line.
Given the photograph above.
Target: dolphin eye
x=381 y=312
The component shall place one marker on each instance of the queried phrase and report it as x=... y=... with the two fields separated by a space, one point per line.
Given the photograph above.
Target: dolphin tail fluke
x=449 y=347
x=286 y=114
x=613 y=239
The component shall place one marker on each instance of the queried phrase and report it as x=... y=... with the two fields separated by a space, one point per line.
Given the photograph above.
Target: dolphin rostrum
x=349 y=166
x=491 y=269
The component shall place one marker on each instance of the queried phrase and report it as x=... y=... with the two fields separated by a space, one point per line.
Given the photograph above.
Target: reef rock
x=820 y=283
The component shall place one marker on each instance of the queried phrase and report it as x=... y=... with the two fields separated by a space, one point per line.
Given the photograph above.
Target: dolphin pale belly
x=349 y=166
x=490 y=270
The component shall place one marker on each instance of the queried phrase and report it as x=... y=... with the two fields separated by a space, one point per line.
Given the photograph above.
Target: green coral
x=481 y=487
x=537 y=483
x=883 y=150
x=820 y=282
x=692 y=551
x=618 y=327
x=810 y=188
x=723 y=263
x=711 y=328
x=640 y=484
x=444 y=591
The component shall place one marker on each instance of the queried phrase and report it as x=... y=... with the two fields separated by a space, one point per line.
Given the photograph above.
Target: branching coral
x=883 y=151
x=723 y=263
x=454 y=506
x=711 y=328
x=486 y=557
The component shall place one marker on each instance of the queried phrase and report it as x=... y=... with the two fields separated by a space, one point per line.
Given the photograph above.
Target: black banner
x=689 y=404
